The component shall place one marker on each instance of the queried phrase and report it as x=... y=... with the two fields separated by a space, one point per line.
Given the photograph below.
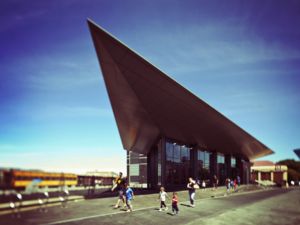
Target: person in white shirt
x=203 y=185
x=162 y=197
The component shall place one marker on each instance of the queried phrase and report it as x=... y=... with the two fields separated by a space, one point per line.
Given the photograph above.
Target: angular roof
x=148 y=104
x=297 y=152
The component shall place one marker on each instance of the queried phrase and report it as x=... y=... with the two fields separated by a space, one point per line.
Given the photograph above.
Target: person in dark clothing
x=215 y=182
x=119 y=186
x=192 y=191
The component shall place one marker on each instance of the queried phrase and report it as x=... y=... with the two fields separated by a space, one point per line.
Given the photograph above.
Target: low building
x=96 y=178
x=268 y=171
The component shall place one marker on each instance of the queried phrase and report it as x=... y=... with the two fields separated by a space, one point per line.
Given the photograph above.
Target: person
x=198 y=181
x=227 y=184
x=215 y=182
x=119 y=186
x=238 y=180
x=192 y=191
x=235 y=185
x=162 y=196
x=231 y=184
x=203 y=185
x=129 y=197
x=175 y=208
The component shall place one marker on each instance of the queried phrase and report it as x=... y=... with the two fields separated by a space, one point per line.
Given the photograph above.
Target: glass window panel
x=169 y=151
x=221 y=158
x=185 y=154
x=176 y=153
x=233 y=162
x=134 y=170
x=206 y=160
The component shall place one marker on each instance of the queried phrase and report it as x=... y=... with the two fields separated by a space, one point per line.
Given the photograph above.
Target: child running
x=162 y=196
x=129 y=197
x=175 y=209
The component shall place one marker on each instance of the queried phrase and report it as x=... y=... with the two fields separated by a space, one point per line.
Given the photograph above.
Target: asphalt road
x=276 y=206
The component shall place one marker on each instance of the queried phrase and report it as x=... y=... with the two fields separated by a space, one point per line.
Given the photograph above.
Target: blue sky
x=241 y=57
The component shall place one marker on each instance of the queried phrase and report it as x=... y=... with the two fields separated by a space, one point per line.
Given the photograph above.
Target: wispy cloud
x=18 y=18
x=61 y=73
x=204 y=50
x=51 y=112
x=58 y=112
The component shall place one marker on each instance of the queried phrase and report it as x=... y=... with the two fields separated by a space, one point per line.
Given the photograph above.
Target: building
x=94 y=178
x=268 y=171
x=168 y=132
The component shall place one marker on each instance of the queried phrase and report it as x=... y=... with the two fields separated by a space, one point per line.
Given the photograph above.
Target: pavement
x=251 y=205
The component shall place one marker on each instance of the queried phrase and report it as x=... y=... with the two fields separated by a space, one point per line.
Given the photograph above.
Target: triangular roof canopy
x=148 y=104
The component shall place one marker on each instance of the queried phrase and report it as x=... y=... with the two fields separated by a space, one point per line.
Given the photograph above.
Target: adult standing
x=119 y=186
x=192 y=190
x=238 y=180
x=215 y=182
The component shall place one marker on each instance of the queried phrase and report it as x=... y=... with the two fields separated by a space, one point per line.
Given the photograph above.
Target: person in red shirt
x=235 y=185
x=175 y=209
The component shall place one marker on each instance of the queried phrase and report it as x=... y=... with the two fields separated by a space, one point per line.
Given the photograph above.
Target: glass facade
x=233 y=168
x=203 y=165
x=178 y=164
x=171 y=164
x=233 y=162
x=137 y=169
x=221 y=168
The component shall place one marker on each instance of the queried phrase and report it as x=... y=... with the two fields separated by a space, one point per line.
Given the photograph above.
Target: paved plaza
x=263 y=206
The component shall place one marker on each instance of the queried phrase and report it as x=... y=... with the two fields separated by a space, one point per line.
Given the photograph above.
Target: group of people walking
x=126 y=195
x=232 y=184
x=191 y=186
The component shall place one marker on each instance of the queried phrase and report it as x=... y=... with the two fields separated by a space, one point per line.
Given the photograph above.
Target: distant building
x=94 y=178
x=268 y=171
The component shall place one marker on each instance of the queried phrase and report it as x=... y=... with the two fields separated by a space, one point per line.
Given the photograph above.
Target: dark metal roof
x=147 y=104
x=297 y=152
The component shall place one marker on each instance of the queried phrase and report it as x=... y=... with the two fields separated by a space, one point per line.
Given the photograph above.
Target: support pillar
x=272 y=176
x=194 y=164
x=213 y=164
x=259 y=176
x=162 y=161
x=228 y=166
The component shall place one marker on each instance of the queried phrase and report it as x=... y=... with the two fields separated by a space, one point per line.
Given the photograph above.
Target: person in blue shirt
x=129 y=197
